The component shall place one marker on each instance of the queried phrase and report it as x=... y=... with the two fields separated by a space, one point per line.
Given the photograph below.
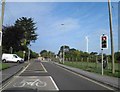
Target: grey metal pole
x=24 y=55
x=63 y=54
x=11 y=50
x=111 y=36
x=86 y=44
x=102 y=61
x=3 y=8
x=28 y=53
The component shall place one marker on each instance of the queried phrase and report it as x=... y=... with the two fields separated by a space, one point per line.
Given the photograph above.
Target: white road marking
x=43 y=67
x=88 y=79
x=30 y=82
x=54 y=83
x=44 y=61
x=24 y=69
x=13 y=79
x=33 y=81
x=35 y=71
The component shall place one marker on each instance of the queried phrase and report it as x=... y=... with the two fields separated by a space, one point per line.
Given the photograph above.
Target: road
x=41 y=76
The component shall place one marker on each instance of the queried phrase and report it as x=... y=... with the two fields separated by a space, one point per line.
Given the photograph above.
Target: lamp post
x=24 y=55
x=29 y=53
x=11 y=50
x=63 y=53
x=86 y=43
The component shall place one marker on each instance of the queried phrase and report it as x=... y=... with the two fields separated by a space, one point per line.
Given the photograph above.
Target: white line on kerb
x=43 y=67
x=2 y=88
x=87 y=79
x=54 y=83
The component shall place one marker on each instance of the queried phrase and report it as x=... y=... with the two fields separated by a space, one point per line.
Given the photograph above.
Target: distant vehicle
x=11 y=58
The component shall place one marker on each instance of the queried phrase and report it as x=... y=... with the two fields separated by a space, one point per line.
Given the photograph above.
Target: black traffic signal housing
x=104 y=42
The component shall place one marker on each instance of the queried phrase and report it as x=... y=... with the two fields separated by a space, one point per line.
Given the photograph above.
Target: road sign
x=104 y=41
x=0 y=38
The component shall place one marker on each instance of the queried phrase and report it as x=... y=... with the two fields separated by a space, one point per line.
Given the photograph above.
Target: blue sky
x=79 y=19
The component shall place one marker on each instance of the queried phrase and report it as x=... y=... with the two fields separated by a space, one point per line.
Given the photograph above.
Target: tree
x=117 y=56
x=44 y=53
x=19 y=35
x=66 y=49
x=47 y=54
x=27 y=25
x=11 y=38
x=93 y=53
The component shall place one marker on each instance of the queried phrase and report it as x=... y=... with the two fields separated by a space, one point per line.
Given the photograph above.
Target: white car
x=11 y=58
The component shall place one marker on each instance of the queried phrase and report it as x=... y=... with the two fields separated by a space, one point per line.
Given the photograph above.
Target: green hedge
x=19 y=53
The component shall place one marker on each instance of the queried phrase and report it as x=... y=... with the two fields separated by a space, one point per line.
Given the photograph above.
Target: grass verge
x=95 y=67
x=3 y=66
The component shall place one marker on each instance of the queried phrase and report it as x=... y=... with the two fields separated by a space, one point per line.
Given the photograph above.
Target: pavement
x=11 y=71
x=108 y=80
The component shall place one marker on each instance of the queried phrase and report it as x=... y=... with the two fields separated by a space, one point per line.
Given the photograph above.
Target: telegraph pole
x=111 y=36
x=2 y=13
x=1 y=23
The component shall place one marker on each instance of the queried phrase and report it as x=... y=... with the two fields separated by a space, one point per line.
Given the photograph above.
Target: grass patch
x=95 y=67
x=3 y=66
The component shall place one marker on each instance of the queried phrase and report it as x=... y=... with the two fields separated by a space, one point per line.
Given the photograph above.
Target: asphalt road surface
x=45 y=76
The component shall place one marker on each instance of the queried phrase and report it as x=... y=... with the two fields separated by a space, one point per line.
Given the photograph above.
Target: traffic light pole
x=63 y=54
x=102 y=61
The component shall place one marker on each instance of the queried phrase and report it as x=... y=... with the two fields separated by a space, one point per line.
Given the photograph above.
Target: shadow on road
x=24 y=89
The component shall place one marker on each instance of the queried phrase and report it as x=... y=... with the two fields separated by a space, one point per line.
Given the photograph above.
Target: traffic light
x=104 y=42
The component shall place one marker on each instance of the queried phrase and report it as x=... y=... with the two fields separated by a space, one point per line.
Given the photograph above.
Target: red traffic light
x=104 y=38
x=104 y=42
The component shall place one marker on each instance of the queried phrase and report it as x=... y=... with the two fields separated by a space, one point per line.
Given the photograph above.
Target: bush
x=33 y=55
x=19 y=53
